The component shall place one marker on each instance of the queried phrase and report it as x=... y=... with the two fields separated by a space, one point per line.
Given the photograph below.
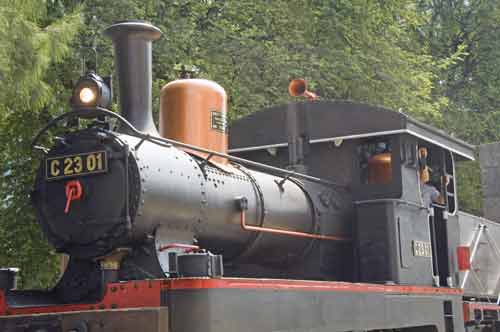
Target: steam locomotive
x=325 y=216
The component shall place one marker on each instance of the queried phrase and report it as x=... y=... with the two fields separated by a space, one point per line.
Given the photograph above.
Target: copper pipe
x=187 y=247
x=298 y=88
x=289 y=233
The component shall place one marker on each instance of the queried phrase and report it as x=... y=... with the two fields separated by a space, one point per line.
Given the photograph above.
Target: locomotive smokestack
x=132 y=42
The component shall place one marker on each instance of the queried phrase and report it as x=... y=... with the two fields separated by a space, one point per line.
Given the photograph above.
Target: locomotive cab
x=405 y=196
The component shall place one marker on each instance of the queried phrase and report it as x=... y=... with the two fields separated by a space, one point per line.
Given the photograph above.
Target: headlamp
x=91 y=91
x=87 y=95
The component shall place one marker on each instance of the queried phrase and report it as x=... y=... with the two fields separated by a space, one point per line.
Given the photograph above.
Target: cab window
x=375 y=158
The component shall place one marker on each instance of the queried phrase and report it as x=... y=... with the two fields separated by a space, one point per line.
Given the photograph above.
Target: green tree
x=467 y=30
x=360 y=50
x=33 y=42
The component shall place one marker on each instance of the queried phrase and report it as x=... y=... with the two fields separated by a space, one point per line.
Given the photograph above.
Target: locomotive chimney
x=132 y=42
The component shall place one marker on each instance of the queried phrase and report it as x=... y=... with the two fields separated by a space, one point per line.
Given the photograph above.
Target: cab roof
x=326 y=121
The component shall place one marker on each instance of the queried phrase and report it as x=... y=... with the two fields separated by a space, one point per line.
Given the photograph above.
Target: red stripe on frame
x=147 y=293
x=304 y=285
x=134 y=294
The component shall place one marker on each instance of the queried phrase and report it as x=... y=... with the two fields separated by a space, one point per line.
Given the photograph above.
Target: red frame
x=147 y=293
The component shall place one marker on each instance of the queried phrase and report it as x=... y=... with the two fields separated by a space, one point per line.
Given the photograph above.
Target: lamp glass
x=87 y=95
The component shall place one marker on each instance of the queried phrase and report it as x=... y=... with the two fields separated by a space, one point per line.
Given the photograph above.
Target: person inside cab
x=430 y=194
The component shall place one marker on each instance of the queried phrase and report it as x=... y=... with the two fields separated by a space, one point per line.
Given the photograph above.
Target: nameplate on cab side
x=422 y=249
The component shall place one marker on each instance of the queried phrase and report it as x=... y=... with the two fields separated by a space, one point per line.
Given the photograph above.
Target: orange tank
x=380 y=169
x=193 y=111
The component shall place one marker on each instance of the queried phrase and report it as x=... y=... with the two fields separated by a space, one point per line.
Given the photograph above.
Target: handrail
x=94 y=112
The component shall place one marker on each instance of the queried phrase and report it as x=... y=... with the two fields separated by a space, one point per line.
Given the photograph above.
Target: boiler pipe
x=246 y=227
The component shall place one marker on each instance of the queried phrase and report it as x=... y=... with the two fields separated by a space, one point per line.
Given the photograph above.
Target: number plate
x=76 y=165
x=422 y=249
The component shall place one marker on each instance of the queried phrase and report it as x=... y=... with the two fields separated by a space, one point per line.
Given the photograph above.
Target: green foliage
x=31 y=46
x=360 y=50
x=469 y=27
x=466 y=33
x=468 y=178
